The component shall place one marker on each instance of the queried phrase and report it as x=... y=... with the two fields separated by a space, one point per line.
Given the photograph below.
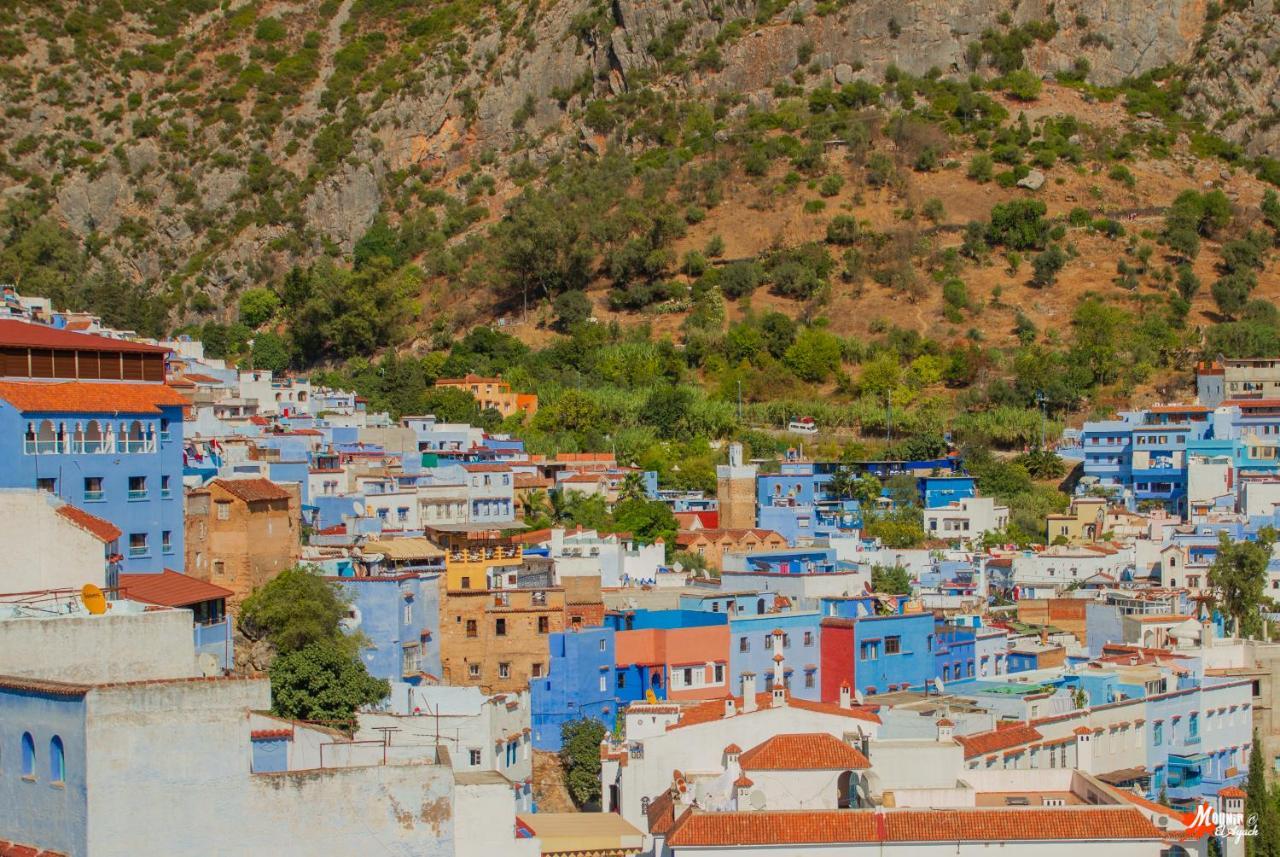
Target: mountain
x=163 y=156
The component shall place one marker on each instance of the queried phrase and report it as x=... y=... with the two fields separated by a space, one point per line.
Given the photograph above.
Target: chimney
x=779 y=678
x=945 y=729
x=731 y=754
x=730 y=708
x=1206 y=633
x=779 y=696
x=748 y=692
x=846 y=695
x=741 y=789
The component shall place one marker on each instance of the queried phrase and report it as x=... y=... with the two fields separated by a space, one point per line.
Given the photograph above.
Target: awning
x=1192 y=761
x=1124 y=776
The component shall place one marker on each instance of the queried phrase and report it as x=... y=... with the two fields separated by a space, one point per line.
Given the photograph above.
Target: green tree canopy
x=1239 y=573
x=323 y=682
x=257 y=306
x=293 y=610
x=580 y=759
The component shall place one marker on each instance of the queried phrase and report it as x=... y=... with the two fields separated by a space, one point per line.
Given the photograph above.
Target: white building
x=50 y=544
x=614 y=558
x=1050 y=571
x=966 y=520
x=662 y=739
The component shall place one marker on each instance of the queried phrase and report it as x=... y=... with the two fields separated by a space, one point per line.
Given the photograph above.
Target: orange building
x=712 y=545
x=692 y=663
x=493 y=393
x=240 y=533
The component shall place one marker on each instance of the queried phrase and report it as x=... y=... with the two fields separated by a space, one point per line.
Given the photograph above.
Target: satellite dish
x=756 y=800
x=857 y=694
x=939 y=686
x=93 y=599
x=207 y=664
x=650 y=697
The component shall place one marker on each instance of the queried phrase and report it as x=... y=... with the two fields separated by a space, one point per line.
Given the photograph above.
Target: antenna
x=93 y=599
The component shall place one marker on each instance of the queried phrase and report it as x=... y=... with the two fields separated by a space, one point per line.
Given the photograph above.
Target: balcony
x=135 y=446
x=42 y=447
x=136 y=551
x=94 y=496
x=140 y=494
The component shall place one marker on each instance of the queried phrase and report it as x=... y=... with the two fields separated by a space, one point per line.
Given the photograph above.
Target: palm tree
x=633 y=488
x=536 y=505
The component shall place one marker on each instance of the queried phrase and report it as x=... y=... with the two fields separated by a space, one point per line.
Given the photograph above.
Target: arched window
x=28 y=755
x=759 y=605
x=94 y=437
x=57 y=760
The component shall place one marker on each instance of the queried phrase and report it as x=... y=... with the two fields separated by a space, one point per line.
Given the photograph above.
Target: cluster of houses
x=762 y=697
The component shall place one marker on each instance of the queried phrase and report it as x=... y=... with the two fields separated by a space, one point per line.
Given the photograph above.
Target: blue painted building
x=43 y=776
x=90 y=419
x=579 y=683
x=955 y=653
x=1142 y=455
x=753 y=644
x=877 y=653
x=400 y=616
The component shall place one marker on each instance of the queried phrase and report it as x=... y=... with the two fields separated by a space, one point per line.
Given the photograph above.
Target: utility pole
x=739 y=400
x=1040 y=399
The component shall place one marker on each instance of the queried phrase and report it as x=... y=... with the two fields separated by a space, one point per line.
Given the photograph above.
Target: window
x=57 y=761
x=808 y=638
x=808 y=679
x=1193 y=726
x=504 y=670
x=719 y=673
x=871 y=651
x=622 y=680
x=47 y=484
x=474 y=757
x=768 y=642
x=466 y=583
x=409 y=660
x=166 y=541
x=687 y=675
x=537 y=670
x=93 y=489
x=408 y=612
x=500 y=627
x=473 y=670
x=744 y=645
x=165 y=491
x=604 y=682
x=602 y=645
x=786 y=641
x=137 y=487
x=137 y=544
x=892 y=645
x=219 y=568
x=224 y=509
x=544 y=625
x=1157 y=734
x=28 y=756
x=471 y=628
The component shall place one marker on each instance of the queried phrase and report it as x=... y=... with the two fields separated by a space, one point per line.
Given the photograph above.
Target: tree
x=293 y=610
x=740 y=279
x=667 y=410
x=257 y=306
x=323 y=682
x=1045 y=266
x=270 y=352
x=1019 y=224
x=1239 y=573
x=1022 y=85
x=892 y=580
x=1231 y=292
x=646 y=520
x=572 y=308
x=580 y=759
x=814 y=355
x=1260 y=803
x=1042 y=464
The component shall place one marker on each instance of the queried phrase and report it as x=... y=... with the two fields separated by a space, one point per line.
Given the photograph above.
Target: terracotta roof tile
x=707 y=712
x=662 y=813
x=252 y=490
x=1000 y=739
x=803 y=827
x=93 y=397
x=1231 y=791
x=170 y=589
x=270 y=734
x=25 y=334
x=807 y=751
x=101 y=529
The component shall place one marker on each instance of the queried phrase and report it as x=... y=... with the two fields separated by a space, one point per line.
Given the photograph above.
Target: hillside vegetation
x=903 y=219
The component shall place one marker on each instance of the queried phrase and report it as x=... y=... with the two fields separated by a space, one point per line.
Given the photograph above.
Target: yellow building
x=1083 y=522
x=474 y=556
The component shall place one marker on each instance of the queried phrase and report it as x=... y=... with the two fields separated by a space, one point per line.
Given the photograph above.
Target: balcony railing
x=137 y=551
x=137 y=494
x=93 y=496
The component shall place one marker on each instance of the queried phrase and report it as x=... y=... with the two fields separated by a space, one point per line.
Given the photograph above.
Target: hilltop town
x=248 y=602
